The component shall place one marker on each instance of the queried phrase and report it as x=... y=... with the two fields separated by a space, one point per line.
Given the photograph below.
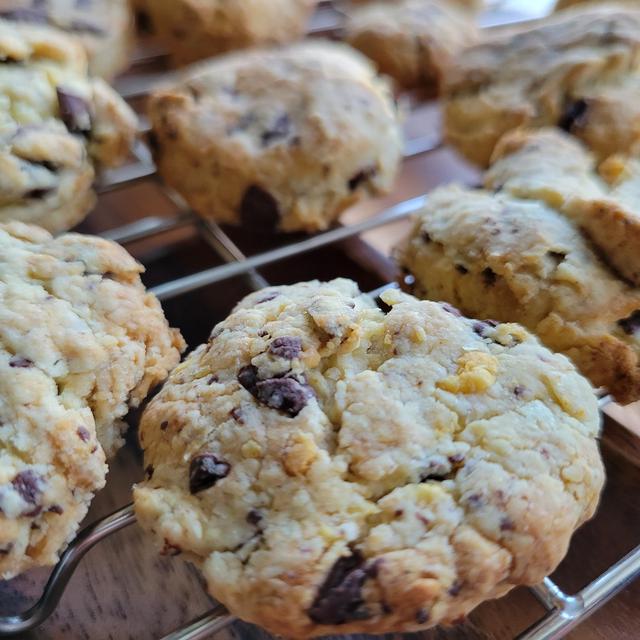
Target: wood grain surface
x=123 y=589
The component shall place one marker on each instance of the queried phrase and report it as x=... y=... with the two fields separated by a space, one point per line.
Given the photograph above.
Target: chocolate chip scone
x=413 y=41
x=604 y=201
x=80 y=342
x=497 y=256
x=196 y=29
x=336 y=469
x=105 y=27
x=56 y=123
x=578 y=69
x=279 y=139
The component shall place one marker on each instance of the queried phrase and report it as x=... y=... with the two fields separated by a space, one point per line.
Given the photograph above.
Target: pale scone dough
x=80 y=342
x=56 y=123
x=278 y=139
x=196 y=29
x=105 y=27
x=413 y=41
x=516 y=260
x=335 y=469
x=578 y=69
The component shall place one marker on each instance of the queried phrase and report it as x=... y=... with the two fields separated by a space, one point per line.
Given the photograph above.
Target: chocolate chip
x=506 y=524
x=74 y=112
x=248 y=377
x=18 y=362
x=339 y=599
x=489 y=277
x=462 y=269
x=205 y=470
x=286 y=347
x=254 y=517
x=56 y=508
x=83 y=434
x=213 y=380
x=164 y=425
x=259 y=209
x=28 y=485
x=284 y=394
x=422 y=616
x=361 y=177
x=451 y=309
x=574 y=115
x=280 y=129
x=482 y=328
x=236 y=414
x=25 y=15
x=631 y=324
x=455 y=589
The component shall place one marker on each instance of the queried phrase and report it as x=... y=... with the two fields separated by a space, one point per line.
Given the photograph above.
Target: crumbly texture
x=336 y=469
x=564 y=4
x=196 y=29
x=577 y=69
x=283 y=139
x=56 y=123
x=496 y=256
x=413 y=41
x=80 y=342
x=469 y=5
x=551 y=166
x=105 y=27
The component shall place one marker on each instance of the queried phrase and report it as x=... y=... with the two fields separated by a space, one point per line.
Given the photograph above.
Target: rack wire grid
x=563 y=611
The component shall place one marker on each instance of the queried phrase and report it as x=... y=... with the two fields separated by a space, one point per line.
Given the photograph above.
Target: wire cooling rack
x=563 y=611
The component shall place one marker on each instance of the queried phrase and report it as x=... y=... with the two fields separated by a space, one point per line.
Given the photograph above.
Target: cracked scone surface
x=283 y=139
x=105 y=27
x=413 y=41
x=578 y=69
x=497 y=256
x=80 y=342
x=193 y=29
x=603 y=200
x=56 y=124
x=334 y=469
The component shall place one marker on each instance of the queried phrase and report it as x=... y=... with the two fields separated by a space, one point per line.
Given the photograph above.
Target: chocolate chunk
x=254 y=517
x=506 y=524
x=574 y=115
x=482 y=327
x=236 y=414
x=279 y=130
x=339 y=599
x=631 y=324
x=213 y=380
x=462 y=269
x=34 y=16
x=164 y=425
x=28 y=485
x=422 y=616
x=451 y=309
x=259 y=209
x=361 y=177
x=489 y=277
x=286 y=347
x=284 y=394
x=74 y=112
x=83 y=434
x=205 y=470
x=56 y=508
x=18 y=362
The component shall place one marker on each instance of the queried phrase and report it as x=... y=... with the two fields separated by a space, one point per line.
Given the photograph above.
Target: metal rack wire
x=564 y=611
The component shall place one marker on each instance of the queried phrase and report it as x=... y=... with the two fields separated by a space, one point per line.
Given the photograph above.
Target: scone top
x=337 y=469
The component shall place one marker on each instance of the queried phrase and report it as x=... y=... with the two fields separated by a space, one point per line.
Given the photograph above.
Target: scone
x=196 y=29
x=105 y=27
x=469 y=5
x=413 y=41
x=56 y=122
x=564 y=4
x=578 y=69
x=604 y=201
x=497 y=256
x=80 y=342
x=277 y=139
x=336 y=469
